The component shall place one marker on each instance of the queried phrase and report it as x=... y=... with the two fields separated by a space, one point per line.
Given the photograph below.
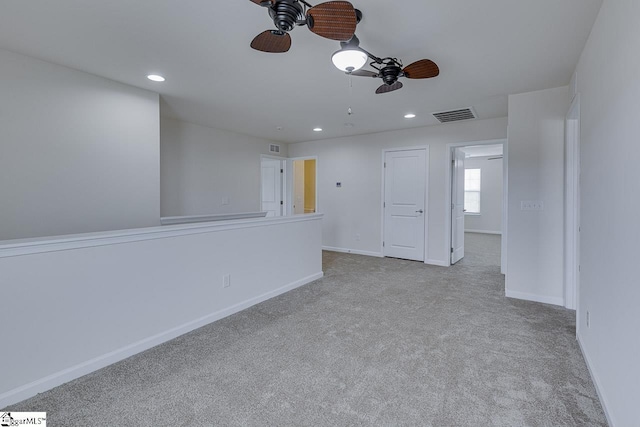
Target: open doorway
x=477 y=192
x=304 y=198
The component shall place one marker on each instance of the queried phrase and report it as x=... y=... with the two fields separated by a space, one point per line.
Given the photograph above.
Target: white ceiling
x=485 y=49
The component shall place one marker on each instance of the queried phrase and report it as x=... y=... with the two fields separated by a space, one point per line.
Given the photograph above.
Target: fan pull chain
x=349 y=110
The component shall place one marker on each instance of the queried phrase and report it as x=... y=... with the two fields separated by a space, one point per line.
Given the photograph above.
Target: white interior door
x=457 y=206
x=271 y=192
x=404 y=204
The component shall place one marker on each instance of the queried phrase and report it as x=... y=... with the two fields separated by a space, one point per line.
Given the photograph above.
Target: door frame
x=289 y=182
x=283 y=183
x=454 y=178
x=572 y=207
x=426 y=195
x=447 y=196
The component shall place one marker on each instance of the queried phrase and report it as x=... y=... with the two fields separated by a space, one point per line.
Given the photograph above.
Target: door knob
x=420 y=211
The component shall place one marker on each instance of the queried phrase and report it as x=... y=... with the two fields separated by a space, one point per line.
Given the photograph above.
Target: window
x=472 y=191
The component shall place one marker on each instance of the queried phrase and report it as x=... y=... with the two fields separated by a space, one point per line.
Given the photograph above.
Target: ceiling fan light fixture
x=349 y=59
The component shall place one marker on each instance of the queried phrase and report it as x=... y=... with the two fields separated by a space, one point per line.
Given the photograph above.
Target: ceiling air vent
x=455 y=115
x=273 y=148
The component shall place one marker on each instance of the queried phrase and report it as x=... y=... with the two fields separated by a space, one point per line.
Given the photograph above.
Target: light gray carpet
x=376 y=342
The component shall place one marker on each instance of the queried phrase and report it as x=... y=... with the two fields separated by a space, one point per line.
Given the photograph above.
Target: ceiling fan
x=335 y=20
x=388 y=69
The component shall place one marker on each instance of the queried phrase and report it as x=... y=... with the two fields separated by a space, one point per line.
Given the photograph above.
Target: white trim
x=437 y=262
x=383 y=172
x=189 y=219
x=483 y=232
x=596 y=382
x=28 y=390
x=10 y=248
x=447 y=194
x=352 y=251
x=426 y=202
x=572 y=206
x=505 y=206
x=536 y=298
x=573 y=86
x=272 y=156
x=425 y=254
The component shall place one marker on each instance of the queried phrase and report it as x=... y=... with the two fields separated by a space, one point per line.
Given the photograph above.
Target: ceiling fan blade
x=385 y=88
x=335 y=20
x=423 y=69
x=263 y=2
x=364 y=73
x=272 y=41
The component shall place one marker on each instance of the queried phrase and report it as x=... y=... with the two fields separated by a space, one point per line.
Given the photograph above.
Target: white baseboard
x=483 y=232
x=29 y=390
x=437 y=262
x=352 y=251
x=596 y=382
x=533 y=297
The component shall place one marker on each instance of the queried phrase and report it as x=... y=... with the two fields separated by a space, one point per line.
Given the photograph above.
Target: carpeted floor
x=375 y=342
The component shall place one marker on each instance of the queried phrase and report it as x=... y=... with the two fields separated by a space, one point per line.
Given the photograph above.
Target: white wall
x=536 y=173
x=609 y=89
x=76 y=304
x=490 y=218
x=78 y=153
x=356 y=162
x=201 y=166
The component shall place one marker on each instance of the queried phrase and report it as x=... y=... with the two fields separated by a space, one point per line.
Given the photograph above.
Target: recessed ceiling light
x=409 y=116
x=317 y=129
x=155 y=78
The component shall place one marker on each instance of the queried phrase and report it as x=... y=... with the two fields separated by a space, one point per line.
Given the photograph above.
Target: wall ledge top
x=20 y=247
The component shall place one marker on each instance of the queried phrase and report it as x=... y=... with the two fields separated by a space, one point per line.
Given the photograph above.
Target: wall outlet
x=357 y=237
x=588 y=319
x=531 y=205
x=226 y=280
x=225 y=200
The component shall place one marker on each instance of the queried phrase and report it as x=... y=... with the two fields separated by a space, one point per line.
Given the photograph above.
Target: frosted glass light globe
x=349 y=60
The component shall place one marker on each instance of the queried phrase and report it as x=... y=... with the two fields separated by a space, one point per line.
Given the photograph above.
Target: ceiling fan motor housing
x=286 y=13
x=390 y=74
